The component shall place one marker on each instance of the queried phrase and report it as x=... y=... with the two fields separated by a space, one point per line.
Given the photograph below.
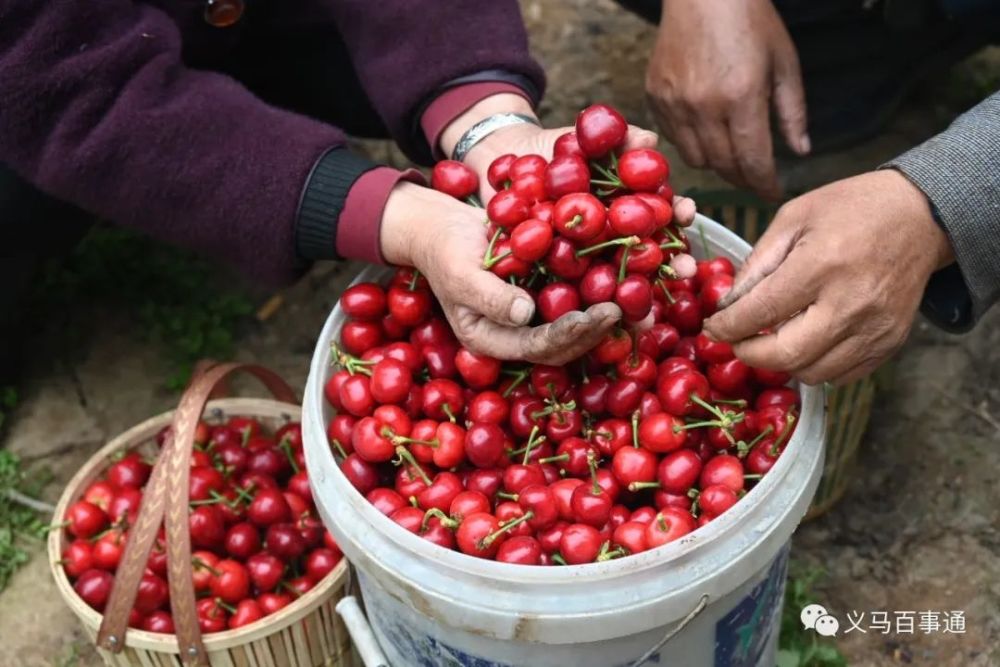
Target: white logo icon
x=811 y=614
x=827 y=626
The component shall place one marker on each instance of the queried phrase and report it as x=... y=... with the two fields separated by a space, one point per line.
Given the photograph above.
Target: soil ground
x=919 y=527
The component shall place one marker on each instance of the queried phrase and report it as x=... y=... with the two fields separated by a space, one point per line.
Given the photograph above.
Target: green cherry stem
x=635 y=429
x=405 y=455
x=339 y=447
x=627 y=241
x=504 y=528
x=488 y=257
x=446 y=520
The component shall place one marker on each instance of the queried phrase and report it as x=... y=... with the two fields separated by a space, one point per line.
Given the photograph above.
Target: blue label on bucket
x=742 y=635
x=426 y=651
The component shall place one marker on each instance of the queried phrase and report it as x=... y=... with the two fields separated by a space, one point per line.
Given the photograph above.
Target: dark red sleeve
x=98 y=109
x=453 y=102
x=360 y=222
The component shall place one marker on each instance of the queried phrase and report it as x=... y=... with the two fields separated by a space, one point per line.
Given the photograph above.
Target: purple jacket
x=121 y=108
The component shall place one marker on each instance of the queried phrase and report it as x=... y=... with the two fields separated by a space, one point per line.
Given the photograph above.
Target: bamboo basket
x=849 y=406
x=306 y=633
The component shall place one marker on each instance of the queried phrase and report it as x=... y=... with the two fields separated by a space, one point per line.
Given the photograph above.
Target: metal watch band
x=484 y=128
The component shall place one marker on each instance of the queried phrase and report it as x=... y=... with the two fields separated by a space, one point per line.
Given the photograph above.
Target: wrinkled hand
x=714 y=70
x=839 y=273
x=446 y=241
x=530 y=139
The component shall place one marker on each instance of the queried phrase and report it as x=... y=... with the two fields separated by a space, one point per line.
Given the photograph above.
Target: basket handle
x=166 y=501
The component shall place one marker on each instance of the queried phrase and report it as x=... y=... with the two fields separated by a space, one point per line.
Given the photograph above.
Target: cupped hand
x=714 y=70
x=532 y=140
x=446 y=240
x=838 y=277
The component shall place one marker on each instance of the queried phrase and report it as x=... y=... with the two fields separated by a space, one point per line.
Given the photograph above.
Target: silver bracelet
x=486 y=127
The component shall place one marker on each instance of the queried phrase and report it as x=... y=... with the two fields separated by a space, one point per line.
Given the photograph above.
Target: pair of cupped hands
x=446 y=239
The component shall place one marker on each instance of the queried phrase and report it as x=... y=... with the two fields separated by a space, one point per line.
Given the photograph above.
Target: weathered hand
x=838 y=275
x=445 y=239
x=715 y=68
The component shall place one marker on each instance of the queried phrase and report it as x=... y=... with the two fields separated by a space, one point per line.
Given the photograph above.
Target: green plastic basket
x=848 y=407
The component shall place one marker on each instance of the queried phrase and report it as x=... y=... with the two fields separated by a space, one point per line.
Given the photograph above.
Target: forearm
x=959 y=172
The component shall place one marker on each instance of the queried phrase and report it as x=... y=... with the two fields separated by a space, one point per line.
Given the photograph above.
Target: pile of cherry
x=658 y=430
x=257 y=543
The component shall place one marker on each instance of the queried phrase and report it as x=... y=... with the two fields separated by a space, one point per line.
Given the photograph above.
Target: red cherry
x=646 y=514
x=770 y=378
x=632 y=536
x=390 y=381
x=85 y=519
x=362 y=475
x=77 y=558
x=242 y=540
x=598 y=284
x=152 y=594
x=498 y=172
x=441 y=492
x=599 y=130
x=478 y=370
x=489 y=407
x=645 y=257
x=202 y=569
x=638 y=367
x=108 y=550
x=265 y=571
x=591 y=506
x=129 y=472
x=528 y=165
x=273 y=602
x=442 y=396
x=356 y=396
x=208 y=528
x=320 y=562
x=635 y=297
x=159 y=621
x=783 y=397
x=101 y=494
x=567 y=144
x=716 y=499
x=454 y=178
x=409 y=307
x=565 y=175
x=580 y=543
x=678 y=471
x=520 y=550
x=713 y=289
x=484 y=445
x=660 y=433
x=592 y=396
x=473 y=533
x=624 y=396
x=94 y=588
x=531 y=239
x=685 y=313
x=670 y=524
x=507 y=209
x=358 y=337
x=634 y=465
x=725 y=470
x=676 y=390
x=643 y=169
x=563 y=261
x=364 y=301
x=614 y=347
x=284 y=541
x=579 y=216
x=729 y=377
x=247 y=612
x=557 y=299
x=611 y=435
x=631 y=216
x=440 y=359
x=268 y=507
x=663 y=211
x=530 y=188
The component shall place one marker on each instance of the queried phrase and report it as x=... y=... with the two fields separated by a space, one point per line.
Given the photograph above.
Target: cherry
x=208 y=528
x=531 y=164
x=101 y=494
x=129 y=471
x=434 y=331
x=614 y=347
x=671 y=365
x=529 y=187
x=247 y=612
x=782 y=397
x=410 y=481
x=580 y=543
x=543 y=211
x=663 y=499
x=563 y=262
x=565 y=175
x=356 y=396
x=485 y=481
x=454 y=178
x=273 y=602
x=770 y=378
x=643 y=170
x=390 y=381
x=518 y=476
x=203 y=569
x=632 y=536
x=725 y=470
x=649 y=405
x=450 y=450
x=331 y=390
x=557 y=299
x=440 y=360
x=364 y=301
x=633 y=465
x=539 y=501
x=713 y=289
x=159 y=621
x=643 y=257
x=635 y=297
x=660 y=433
x=362 y=475
x=563 y=491
x=498 y=172
x=611 y=435
x=152 y=594
x=670 y=524
x=730 y=377
x=473 y=535
x=242 y=540
x=716 y=499
x=270 y=506
x=579 y=217
x=270 y=461
x=710 y=351
x=505 y=265
x=638 y=367
x=94 y=588
x=320 y=562
x=284 y=541
x=762 y=457
x=232 y=583
x=484 y=445
x=624 y=396
x=678 y=471
x=685 y=313
x=631 y=216
x=301 y=585
x=592 y=396
x=358 y=337
x=520 y=550
x=443 y=399
x=531 y=240
x=679 y=392
x=598 y=284
x=507 y=209
x=600 y=129
x=265 y=571
x=646 y=514
x=108 y=550
x=385 y=500
x=441 y=492
x=85 y=519
x=77 y=558
x=663 y=211
x=489 y=407
x=212 y=616
x=409 y=307
x=591 y=504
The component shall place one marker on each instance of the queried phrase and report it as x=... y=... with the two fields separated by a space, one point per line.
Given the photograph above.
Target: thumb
x=767 y=255
x=790 y=101
x=499 y=301
x=638 y=137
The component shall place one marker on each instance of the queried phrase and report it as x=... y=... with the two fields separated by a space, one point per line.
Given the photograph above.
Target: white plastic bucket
x=715 y=594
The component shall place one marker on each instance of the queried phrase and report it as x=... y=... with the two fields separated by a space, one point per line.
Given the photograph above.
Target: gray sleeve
x=959 y=171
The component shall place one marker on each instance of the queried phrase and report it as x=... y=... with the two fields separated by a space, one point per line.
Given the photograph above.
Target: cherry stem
x=350 y=363
x=197 y=562
x=701 y=424
x=557 y=558
x=745 y=447
x=488 y=257
x=592 y=464
x=635 y=429
x=697 y=400
x=661 y=522
x=285 y=585
x=666 y=292
x=753 y=477
x=672 y=245
x=605 y=554
x=532 y=443
x=555 y=459
x=738 y=402
x=387 y=432
x=639 y=486
x=608 y=173
x=789 y=423
x=610 y=184
x=340 y=448
x=287 y=449
x=246 y=494
x=574 y=221
x=496 y=260
x=447 y=410
x=446 y=520
x=627 y=241
x=414 y=278
x=519 y=377
x=624 y=263
x=473 y=200
x=504 y=528
x=228 y=607
x=507 y=496
x=704 y=242
x=405 y=455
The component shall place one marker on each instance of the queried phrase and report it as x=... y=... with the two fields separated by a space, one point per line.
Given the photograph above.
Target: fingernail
x=805 y=145
x=521 y=311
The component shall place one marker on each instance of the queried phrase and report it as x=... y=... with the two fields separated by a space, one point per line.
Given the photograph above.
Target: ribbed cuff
x=360 y=224
x=323 y=199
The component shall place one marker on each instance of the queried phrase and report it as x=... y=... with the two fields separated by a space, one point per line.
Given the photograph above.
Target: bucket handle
x=673 y=632
x=361 y=632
